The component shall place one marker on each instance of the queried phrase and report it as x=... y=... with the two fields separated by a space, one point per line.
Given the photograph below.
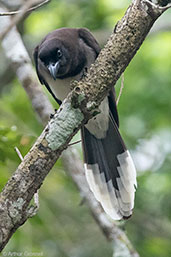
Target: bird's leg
x=84 y=72
x=52 y=114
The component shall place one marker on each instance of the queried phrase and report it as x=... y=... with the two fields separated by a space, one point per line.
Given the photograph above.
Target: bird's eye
x=59 y=53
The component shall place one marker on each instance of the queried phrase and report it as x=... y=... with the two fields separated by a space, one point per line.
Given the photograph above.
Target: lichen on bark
x=60 y=129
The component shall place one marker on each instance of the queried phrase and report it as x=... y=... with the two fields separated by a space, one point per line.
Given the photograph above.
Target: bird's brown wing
x=88 y=38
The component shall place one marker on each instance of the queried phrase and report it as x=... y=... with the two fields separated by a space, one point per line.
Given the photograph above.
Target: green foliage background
x=62 y=227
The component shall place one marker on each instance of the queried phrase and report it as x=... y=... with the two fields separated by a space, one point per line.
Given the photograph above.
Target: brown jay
x=62 y=56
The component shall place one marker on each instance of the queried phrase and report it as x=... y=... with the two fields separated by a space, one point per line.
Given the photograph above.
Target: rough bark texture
x=79 y=107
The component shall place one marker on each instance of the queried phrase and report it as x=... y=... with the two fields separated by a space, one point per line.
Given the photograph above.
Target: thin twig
x=29 y=10
x=121 y=88
x=19 y=154
x=24 y=9
x=74 y=143
x=162 y=8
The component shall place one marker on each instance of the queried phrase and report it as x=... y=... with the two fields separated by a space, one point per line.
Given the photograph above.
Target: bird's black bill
x=53 y=69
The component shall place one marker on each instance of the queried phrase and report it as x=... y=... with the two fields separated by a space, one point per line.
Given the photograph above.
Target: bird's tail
x=110 y=171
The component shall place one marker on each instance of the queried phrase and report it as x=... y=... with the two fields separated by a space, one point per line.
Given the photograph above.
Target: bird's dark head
x=64 y=53
x=55 y=57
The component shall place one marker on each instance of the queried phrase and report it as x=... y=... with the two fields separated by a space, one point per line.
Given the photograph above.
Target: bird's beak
x=53 y=69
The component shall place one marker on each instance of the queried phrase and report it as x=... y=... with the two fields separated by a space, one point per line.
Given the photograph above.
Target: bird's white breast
x=60 y=87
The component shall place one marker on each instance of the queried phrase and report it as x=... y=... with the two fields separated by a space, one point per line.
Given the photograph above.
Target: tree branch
x=29 y=10
x=24 y=9
x=80 y=105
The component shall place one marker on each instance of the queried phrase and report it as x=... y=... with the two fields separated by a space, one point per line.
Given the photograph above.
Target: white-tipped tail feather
x=117 y=203
x=101 y=191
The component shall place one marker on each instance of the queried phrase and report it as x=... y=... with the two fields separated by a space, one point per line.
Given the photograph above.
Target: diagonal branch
x=80 y=105
x=5 y=13
x=24 y=9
